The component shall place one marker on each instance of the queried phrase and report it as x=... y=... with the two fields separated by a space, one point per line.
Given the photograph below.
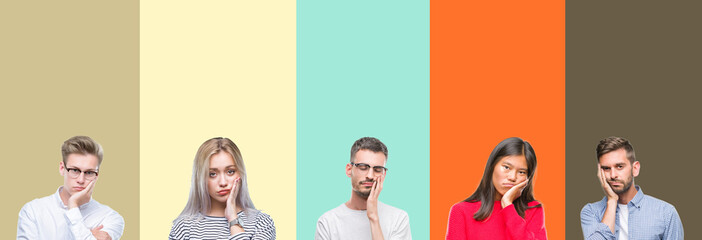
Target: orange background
x=497 y=71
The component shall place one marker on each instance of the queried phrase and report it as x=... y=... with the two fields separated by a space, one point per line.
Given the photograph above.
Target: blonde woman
x=219 y=206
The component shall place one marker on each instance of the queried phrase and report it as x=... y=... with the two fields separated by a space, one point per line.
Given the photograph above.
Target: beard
x=361 y=191
x=625 y=185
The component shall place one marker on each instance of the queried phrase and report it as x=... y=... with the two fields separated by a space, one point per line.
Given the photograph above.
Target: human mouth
x=78 y=188
x=508 y=185
x=615 y=184
x=367 y=184
x=224 y=192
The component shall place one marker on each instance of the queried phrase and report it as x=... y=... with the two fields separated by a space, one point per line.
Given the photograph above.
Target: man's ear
x=61 y=168
x=636 y=167
x=349 y=166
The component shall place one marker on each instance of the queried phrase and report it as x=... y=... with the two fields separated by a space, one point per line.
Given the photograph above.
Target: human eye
x=522 y=172
x=231 y=172
x=505 y=167
x=74 y=170
x=213 y=174
x=363 y=166
x=91 y=173
x=378 y=169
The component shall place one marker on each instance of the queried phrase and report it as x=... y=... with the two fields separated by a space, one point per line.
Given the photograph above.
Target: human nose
x=81 y=178
x=223 y=181
x=613 y=174
x=512 y=176
x=370 y=173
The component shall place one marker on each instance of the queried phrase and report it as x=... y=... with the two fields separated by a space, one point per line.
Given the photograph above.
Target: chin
x=218 y=198
x=362 y=194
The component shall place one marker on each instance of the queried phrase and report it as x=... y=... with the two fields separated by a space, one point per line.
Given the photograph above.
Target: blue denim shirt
x=649 y=218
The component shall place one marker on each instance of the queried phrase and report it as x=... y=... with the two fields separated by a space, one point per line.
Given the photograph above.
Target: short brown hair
x=613 y=143
x=81 y=145
x=368 y=143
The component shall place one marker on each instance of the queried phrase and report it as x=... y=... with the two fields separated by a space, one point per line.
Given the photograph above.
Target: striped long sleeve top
x=208 y=227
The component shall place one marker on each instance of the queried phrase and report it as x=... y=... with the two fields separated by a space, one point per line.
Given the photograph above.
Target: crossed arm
x=110 y=228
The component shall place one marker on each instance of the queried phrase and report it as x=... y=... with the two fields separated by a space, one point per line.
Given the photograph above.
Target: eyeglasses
x=75 y=173
x=364 y=167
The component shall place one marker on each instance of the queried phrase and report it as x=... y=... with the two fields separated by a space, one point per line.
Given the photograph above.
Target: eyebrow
x=74 y=167
x=372 y=165
x=622 y=163
x=230 y=166
x=508 y=163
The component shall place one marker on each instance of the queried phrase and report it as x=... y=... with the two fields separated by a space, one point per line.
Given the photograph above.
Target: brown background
x=69 y=68
x=632 y=70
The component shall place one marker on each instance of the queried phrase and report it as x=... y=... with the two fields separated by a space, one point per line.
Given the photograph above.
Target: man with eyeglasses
x=71 y=213
x=363 y=216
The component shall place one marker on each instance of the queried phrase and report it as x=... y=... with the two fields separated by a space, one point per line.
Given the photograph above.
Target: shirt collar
x=638 y=198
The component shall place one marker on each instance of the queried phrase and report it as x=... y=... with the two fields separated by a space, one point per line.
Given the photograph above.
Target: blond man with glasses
x=71 y=213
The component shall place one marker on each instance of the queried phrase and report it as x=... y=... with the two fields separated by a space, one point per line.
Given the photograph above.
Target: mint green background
x=362 y=70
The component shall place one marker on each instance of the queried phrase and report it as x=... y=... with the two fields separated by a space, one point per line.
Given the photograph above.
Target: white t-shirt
x=623 y=223
x=343 y=223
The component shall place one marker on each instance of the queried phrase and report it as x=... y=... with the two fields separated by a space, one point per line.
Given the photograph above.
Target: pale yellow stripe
x=222 y=68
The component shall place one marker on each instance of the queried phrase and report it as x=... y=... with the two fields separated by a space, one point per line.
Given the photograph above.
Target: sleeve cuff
x=74 y=216
x=603 y=230
x=240 y=236
x=78 y=228
x=601 y=227
x=511 y=215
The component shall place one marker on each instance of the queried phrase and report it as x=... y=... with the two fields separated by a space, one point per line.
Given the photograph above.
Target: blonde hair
x=81 y=145
x=199 y=200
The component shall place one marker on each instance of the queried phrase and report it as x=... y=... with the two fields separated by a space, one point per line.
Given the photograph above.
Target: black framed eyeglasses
x=365 y=167
x=75 y=173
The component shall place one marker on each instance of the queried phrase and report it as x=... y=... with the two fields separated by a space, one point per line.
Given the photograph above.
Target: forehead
x=82 y=161
x=614 y=157
x=516 y=161
x=221 y=159
x=369 y=157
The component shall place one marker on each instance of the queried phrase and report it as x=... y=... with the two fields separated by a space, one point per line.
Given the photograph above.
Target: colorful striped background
x=294 y=83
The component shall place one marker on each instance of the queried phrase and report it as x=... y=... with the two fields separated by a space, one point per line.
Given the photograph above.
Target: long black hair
x=485 y=194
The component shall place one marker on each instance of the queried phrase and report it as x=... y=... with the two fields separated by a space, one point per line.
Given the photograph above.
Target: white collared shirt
x=49 y=218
